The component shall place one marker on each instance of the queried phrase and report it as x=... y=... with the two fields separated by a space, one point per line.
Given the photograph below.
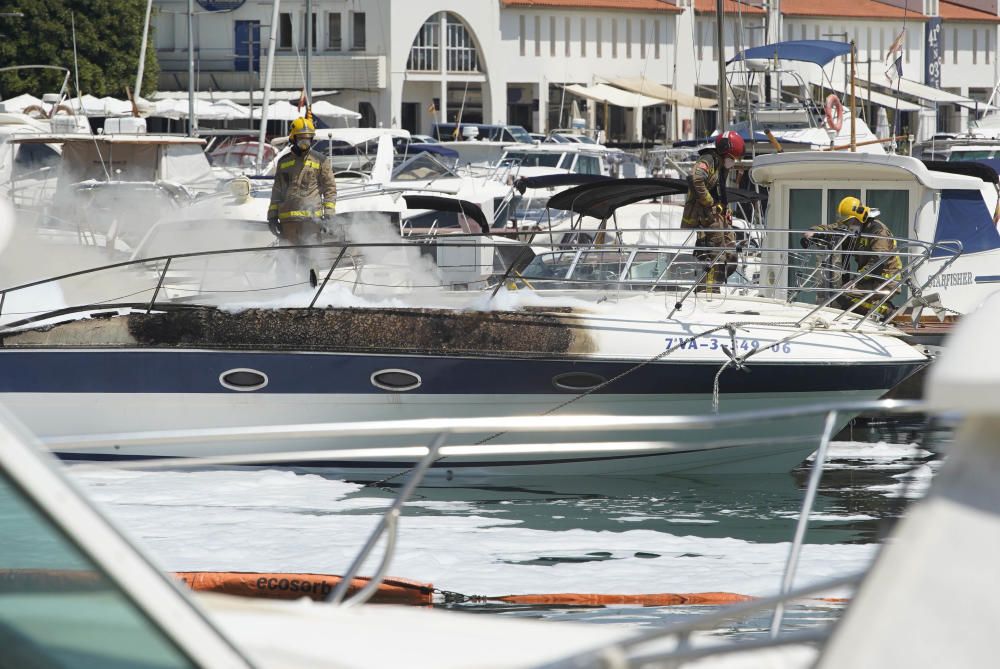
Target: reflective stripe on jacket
x=304 y=187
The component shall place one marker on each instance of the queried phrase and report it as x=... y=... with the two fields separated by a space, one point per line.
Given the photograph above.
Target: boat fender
x=834 y=112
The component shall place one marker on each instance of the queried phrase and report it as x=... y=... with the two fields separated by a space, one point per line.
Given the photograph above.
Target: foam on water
x=267 y=520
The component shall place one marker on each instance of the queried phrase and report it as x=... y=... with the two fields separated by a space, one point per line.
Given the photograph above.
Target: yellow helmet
x=301 y=126
x=852 y=207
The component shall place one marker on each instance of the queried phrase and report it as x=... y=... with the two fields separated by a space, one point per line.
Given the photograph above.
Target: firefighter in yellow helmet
x=858 y=234
x=304 y=190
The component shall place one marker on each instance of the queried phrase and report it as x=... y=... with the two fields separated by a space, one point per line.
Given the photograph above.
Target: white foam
x=859 y=450
x=282 y=521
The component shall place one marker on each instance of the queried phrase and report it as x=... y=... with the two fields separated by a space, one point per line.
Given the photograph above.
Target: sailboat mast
x=192 y=121
x=142 y=50
x=271 y=39
x=721 y=53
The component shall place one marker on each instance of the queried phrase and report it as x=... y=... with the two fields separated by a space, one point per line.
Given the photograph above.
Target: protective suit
x=304 y=190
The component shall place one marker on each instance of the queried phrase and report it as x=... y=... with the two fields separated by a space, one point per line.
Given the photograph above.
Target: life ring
x=834 y=112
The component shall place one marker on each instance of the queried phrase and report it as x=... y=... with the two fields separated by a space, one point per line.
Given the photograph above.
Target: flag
x=894 y=58
x=302 y=101
x=432 y=108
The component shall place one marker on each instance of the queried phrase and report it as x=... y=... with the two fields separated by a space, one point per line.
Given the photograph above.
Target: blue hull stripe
x=988 y=278
x=139 y=371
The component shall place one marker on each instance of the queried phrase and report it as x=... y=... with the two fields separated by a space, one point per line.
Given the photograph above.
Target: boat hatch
x=243 y=380
x=396 y=380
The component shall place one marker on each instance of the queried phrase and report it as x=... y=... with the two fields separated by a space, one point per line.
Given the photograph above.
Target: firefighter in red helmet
x=707 y=207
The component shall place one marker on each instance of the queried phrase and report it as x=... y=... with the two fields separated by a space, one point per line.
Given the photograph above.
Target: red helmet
x=729 y=144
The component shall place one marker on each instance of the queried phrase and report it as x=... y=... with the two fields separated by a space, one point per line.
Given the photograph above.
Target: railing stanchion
x=800 y=528
x=159 y=284
x=336 y=262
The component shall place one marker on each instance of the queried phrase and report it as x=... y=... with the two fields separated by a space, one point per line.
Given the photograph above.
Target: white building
x=411 y=63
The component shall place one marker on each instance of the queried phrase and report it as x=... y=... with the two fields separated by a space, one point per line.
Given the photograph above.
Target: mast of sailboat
x=720 y=18
x=272 y=38
x=854 y=100
x=310 y=26
x=142 y=49
x=192 y=120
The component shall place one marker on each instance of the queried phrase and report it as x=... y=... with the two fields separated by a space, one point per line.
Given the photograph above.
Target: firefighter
x=707 y=206
x=304 y=190
x=859 y=234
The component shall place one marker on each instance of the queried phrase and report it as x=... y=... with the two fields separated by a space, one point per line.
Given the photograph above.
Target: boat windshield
x=420 y=167
x=58 y=608
x=969 y=155
x=534 y=158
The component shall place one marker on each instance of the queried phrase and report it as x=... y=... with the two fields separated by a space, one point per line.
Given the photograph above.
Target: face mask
x=728 y=162
x=304 y=144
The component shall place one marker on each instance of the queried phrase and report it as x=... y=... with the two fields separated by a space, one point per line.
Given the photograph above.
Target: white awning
x=862 y=93
x=928 y=93
x=652 y=89
x=613 y=96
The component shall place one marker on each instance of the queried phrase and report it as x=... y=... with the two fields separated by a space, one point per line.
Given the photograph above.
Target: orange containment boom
x=294 y=586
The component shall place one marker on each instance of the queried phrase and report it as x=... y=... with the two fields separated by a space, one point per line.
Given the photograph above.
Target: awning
x=861 y=92
x=815 y=51
x=654 y=90
x=928 y=93
x=613 y=96
x=601 y=199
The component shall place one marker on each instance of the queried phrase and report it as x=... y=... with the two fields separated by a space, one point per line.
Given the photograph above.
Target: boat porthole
x=396 y=380
x=243 y=380
x=577 y=381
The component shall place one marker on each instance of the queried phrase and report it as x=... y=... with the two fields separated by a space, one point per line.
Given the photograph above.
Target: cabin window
x=588 y=165
x=58 y=608
x=243 y=380
x=804 y=207
x=894 y=209
x=577 y=381
x=396 y=380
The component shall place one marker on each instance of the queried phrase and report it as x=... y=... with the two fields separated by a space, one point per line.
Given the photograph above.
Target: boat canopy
x=815 y=51
x=555 y=180
x=602 y=199
x=437 y=150
x=437 y=203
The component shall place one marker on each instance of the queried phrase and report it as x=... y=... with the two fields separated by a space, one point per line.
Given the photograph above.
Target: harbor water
x=568 y=534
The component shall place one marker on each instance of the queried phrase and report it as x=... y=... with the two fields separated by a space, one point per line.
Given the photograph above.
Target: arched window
x=461 y=54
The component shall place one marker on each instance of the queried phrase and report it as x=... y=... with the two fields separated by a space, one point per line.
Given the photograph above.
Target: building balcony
x=224 y=70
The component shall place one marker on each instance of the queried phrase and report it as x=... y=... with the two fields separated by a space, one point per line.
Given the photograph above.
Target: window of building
x=538 y=36
x=816 y=32
x=986 y=45
x=359 y=39
x=954 y=46
x=334 y=39
x=284 y=30
x=656 y=39
x=802 y=31
x=906 y=45
x=701 y=40
x=568 y=35
x=552 y=36
x=975 y=47
x=426 y=47
x=600 y=37
x=642 y=39
x=583 y=36
x=520 y=34
x=164 y=32
x=628 y=38
x=304 y=45
x=460 y=50
x=614 y=38
x=868 y=45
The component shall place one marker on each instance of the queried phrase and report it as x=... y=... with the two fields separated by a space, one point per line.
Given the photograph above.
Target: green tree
x=108 y=37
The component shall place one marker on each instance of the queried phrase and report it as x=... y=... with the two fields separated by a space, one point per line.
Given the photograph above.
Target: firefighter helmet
x=851 y=207
x=301 y=126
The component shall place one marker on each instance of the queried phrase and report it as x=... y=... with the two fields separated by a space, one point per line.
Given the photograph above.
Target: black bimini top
x=436 y=203
x=968 y=168
x=553 y=180
x=601 y=200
